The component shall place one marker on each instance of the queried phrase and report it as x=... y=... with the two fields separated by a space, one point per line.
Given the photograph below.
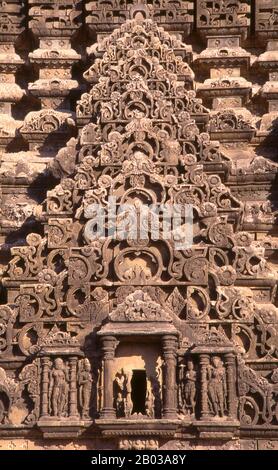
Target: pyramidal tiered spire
x=141 y=142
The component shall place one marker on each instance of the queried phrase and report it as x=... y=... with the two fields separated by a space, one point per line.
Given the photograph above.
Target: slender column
x=230 y=366
x=108 y=349
x=169 y=347
x=204 y=362
x=73 y=389
x=44 y=385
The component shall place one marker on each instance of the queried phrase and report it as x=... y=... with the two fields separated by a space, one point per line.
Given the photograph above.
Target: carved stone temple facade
x=129 y=343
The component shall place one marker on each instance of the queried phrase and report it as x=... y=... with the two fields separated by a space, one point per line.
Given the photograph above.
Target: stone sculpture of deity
x=149 y=401
x=58 y=388
x=123 y=401
x=217 y=388
x=85 y=387
x=187 y=389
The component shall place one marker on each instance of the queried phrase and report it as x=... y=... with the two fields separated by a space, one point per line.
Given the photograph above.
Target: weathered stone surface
x=115 y=342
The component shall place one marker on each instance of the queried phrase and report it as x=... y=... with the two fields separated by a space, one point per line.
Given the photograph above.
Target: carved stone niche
x=224 y=53
x=139 y=345
x=59 y=414
x=232 y=125
x=218 y=399
x=266 y=25
x=215 y=17
x=173 y=15
x=47 y=128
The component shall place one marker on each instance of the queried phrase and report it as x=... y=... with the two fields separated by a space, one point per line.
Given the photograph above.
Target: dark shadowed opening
x=138 y=391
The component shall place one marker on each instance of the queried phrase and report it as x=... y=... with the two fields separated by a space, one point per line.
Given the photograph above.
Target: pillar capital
x=108 y=346
x=169 y=344
x=229 y=358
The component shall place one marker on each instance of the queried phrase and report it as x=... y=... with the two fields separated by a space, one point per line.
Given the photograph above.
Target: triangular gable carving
x=139 y=146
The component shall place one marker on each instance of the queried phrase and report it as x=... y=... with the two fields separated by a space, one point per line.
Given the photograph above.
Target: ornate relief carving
x=52 y=20
x=252 y=412
x=266 y=18
x=139 y=307
x=79 y=306
x=103 y=15
x=213 y=17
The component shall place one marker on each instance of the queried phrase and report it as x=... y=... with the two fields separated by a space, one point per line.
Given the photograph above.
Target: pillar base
x=206 y=417
x=53 y=427
x=108 y=413
x=170 y=414
x=217 y=428
x=138 y=428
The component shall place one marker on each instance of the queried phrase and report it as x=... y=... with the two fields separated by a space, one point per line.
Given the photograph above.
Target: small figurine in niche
x=217 y=387
x=123 y=401
x=157 y=381
x=190 y=388
x=58 y=388
x=187 y=390
x=85 y=382
x=3 y=412
x=119 y=404
x=119 y=398
x=128 y=404
x=181 y=379
x=149 y=401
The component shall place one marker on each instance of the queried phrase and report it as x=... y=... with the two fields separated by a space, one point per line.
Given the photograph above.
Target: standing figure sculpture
x=217 y=388
x=190 y=388
x=58 y=389
x=85 y=387
x=128 y=404
x=181 y=378
x=119 y=401
x=123 y=401
x=149 y=401
x=157 y=381
x=187 y=389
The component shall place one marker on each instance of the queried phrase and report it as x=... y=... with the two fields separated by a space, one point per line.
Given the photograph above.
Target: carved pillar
x=108 y=349
x=230 y=367
x=169 y=347
x=99 y=389
x=73 y=389
x=45 y=386
x=54 y=25
x=204 y=362
x=11 y=26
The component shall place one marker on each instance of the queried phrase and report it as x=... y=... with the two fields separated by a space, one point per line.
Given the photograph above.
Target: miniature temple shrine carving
x=114 y=342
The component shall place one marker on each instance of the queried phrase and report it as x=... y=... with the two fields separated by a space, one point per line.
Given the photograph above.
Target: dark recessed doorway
x=138 y=391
